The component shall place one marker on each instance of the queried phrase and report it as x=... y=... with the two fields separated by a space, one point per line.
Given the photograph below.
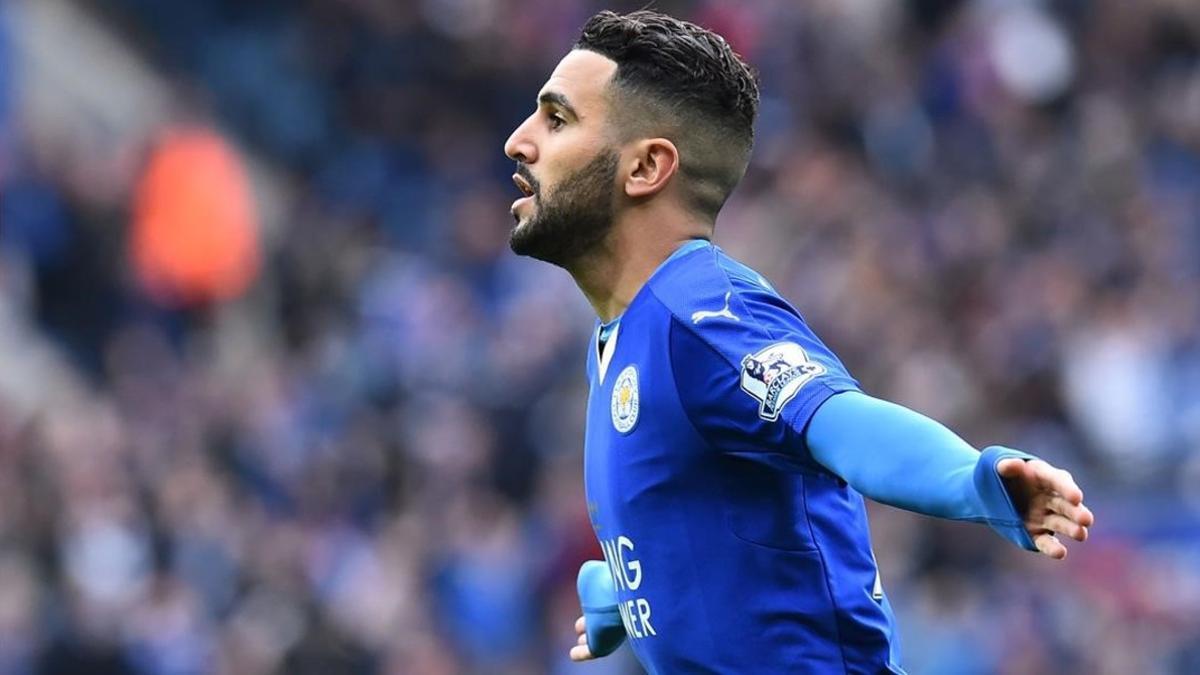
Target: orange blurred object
x=195 y=230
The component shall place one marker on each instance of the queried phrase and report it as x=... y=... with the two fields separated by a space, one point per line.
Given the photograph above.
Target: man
x=726 y=446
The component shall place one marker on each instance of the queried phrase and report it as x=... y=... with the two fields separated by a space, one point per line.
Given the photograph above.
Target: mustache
x=524 y=172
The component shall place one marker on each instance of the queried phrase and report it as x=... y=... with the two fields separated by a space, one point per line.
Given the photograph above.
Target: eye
x=557 y=121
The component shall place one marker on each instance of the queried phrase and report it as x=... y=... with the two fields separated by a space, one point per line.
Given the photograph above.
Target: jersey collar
x=607 y=332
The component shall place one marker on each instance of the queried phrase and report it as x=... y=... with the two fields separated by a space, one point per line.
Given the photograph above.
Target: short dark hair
x=683 y=81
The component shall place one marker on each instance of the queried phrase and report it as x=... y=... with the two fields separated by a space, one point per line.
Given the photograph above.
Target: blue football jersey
x=732 y=550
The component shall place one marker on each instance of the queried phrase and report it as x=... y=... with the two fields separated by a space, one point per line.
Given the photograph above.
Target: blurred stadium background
x=276 y=398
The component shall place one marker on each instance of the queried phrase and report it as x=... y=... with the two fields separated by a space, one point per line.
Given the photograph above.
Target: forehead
x=582 y=77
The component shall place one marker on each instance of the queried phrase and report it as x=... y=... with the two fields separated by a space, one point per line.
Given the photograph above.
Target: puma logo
x=697 y=317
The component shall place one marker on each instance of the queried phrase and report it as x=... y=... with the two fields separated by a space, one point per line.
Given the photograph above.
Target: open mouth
x=527 y=196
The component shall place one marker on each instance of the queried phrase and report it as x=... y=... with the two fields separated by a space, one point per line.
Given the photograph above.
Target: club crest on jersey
x=773 y=376
x=625 y=400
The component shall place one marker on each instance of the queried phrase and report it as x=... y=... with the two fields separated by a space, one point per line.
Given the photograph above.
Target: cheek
x=568 y=151
x=554 y=173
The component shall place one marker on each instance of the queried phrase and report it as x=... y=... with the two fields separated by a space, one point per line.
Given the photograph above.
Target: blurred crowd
x=356 y=448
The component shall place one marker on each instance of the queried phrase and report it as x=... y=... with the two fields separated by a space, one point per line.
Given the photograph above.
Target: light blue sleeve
x=598 y=600
x=902 y=458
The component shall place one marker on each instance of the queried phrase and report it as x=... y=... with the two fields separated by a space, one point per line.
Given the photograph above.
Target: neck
x=611 y=276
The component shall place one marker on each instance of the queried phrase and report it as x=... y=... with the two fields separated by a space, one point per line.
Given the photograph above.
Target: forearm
x=900 y=457
x=896 y=456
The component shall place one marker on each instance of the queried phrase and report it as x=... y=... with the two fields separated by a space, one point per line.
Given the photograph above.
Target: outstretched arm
x=902 y=458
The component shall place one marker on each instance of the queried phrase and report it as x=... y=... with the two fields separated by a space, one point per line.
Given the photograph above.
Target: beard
x=574 y=219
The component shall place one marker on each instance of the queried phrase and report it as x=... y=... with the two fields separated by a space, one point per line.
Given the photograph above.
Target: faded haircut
x=683 y=82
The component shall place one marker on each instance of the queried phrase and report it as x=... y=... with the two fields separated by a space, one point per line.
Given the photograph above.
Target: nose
x=520 y=146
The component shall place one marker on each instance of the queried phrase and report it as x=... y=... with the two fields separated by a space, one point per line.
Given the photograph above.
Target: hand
x=580 y=651
x=1049 y=501
x=600 y=629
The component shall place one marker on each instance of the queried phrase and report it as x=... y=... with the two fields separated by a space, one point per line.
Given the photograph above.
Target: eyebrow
x=555 y=98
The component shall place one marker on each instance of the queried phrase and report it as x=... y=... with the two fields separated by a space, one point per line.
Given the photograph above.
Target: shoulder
x=718 y=306
x=743 y=358
x=722 y=300
x=708 y=284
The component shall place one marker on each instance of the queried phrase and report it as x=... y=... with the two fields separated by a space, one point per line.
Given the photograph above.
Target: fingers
x=1054 y=507
x=1051 y=546
x=1085 y=517
x=1010 y=468
x=1073 y=517
x=580 y=651
x=1062 y=515
x=1057 y=480
x=1075 y=512
x=1048 y=479
x=1060 y=525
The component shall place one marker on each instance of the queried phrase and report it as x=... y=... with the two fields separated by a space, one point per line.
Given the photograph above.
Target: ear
x=652 y=164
